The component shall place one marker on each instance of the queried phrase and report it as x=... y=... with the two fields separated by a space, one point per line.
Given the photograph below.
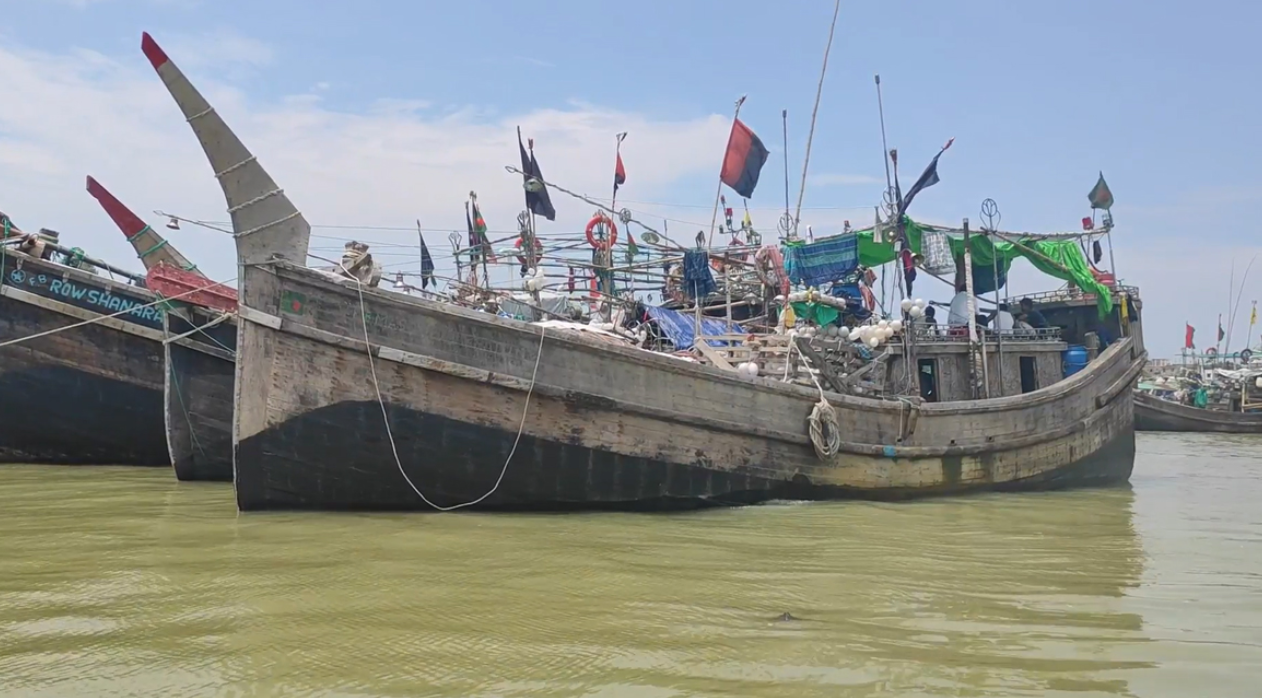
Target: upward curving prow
x=266 y=223
x=151 y=248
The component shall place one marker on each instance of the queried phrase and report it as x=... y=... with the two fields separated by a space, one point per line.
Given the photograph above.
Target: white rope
x=164 y=299
x=385 y=416
x=822 y=423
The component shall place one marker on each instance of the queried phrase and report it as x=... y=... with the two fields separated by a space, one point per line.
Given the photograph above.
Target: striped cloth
x=829 y=259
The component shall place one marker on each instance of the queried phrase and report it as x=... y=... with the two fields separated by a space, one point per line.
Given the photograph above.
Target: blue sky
x=1039 y=97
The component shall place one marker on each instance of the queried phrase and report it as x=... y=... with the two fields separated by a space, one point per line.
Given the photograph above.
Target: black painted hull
x=1155 y=414
x=199 y=399
x=86 y=396
x=340 y=458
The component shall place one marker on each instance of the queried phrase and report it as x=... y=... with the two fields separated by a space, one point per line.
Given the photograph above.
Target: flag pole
x=714 y=217
x=784 y=118
x=810 y=135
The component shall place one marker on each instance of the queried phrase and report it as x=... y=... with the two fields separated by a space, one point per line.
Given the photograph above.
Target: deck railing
x=959 y=333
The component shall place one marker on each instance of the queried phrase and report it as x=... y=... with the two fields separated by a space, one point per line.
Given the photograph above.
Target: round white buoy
x=874 y=342
x=896 y=325
x=753 y=369
x=883 y=324
x=916 y=311
x=920 y=302
x=905 y=304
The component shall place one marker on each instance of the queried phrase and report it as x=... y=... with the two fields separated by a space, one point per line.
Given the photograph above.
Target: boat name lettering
x=101 y=299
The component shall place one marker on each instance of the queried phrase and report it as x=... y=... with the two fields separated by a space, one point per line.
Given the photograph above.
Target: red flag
x=619 y=174
x=743 y=160
x=1187 y=336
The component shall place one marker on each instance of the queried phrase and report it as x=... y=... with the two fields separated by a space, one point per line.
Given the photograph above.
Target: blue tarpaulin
x=678 y=327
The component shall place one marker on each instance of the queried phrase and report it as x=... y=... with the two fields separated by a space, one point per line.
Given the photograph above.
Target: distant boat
x=1154 y=414
x=197 y=386
x=354 y=398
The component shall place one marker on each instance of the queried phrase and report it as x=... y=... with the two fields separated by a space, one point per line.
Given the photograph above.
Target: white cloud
x=83 y=113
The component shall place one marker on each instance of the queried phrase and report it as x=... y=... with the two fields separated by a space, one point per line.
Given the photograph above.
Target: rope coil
x=825 y=431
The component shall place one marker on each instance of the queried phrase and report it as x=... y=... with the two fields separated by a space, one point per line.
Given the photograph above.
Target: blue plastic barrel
x=1075 y=359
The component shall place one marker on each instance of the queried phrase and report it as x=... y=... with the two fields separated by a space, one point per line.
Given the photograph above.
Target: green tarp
x=1065 y=253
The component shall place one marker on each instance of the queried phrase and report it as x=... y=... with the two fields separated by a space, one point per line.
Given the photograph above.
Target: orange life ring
x=538 y=249
x=613 y=231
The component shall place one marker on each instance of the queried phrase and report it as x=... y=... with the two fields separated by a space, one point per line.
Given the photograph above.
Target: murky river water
x=121 y=582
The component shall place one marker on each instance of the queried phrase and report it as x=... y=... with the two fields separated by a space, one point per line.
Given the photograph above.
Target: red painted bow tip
x=153 y=51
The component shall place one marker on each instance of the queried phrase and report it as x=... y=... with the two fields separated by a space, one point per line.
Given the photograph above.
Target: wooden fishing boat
x=1155 y=414
x=81 y=381
x=197 y=384
x=354 y=398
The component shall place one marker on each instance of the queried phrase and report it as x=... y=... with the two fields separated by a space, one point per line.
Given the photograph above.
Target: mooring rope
x=822 y=423
x=385 y=415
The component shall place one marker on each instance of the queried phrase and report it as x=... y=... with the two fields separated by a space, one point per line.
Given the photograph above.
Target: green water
x=122 y=582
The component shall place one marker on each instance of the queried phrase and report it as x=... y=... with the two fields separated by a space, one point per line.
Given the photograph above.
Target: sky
x=375 y=115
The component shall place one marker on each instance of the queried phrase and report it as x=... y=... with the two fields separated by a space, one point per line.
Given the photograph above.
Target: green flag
x=1100 y=195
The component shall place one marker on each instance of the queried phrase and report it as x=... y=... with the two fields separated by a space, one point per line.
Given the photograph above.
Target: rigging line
x=385 y=415
x=819 y=91
x=95 y=320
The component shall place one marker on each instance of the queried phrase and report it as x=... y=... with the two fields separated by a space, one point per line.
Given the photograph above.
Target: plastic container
x=1075 y=359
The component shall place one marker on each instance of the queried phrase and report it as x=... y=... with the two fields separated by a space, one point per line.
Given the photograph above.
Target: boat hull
x=605 y=427
x=198 y=396
x=1155 y=414
x=91 y=395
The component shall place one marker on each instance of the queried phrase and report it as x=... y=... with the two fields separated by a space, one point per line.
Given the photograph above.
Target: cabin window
x=1029 y=374
x=928 y=371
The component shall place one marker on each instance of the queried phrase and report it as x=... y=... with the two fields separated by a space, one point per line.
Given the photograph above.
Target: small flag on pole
x=1221 y=333
x=619 y=173
x=1253 y=316
x=1188 y=333
x=1100 y=195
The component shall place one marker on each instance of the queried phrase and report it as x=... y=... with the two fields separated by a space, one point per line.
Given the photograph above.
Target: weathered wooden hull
x=87 y=395
x=1155 y=414
x=605 y=427
x=198 y=396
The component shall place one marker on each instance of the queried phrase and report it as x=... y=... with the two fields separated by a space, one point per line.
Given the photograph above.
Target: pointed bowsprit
x=151 y=247
x=265 y=222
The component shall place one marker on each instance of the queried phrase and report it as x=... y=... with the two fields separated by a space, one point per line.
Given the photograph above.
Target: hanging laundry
x=698 y=281
x=909 y=268
x=1097 y=253
x=816 y=263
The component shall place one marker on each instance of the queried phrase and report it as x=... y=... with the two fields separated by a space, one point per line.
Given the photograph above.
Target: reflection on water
x=123 y=582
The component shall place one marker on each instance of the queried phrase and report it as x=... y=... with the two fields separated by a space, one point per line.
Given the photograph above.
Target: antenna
x=815 y=111
x=885 y=150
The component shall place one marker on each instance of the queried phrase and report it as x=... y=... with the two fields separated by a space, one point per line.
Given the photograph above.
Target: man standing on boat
x=1031 y=315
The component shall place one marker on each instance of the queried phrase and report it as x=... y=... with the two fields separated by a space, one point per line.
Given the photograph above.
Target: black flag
x=537 y=199
x=928 y=178
x=427 y=262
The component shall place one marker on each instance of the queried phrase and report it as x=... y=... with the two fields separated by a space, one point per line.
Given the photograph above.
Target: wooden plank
x=714 y=356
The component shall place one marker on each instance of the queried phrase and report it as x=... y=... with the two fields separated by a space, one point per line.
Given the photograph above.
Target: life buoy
x=1211 y=352
x=538 y=250
x=1246 y=354
x=613 y=231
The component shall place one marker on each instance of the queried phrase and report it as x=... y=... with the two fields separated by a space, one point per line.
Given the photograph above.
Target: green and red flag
x=1100 y=195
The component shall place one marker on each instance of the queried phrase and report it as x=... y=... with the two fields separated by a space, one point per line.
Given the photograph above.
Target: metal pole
x=714 y=217
x=998 y=308
x=972 y=313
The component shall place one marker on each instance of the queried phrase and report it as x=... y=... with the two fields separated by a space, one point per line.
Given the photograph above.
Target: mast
x=151 y=248
x=265 y=223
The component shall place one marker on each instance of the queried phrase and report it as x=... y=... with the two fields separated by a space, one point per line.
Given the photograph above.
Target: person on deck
x=958 y=313
x=930 y=319
x=1031 y=315
x=999 y=319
